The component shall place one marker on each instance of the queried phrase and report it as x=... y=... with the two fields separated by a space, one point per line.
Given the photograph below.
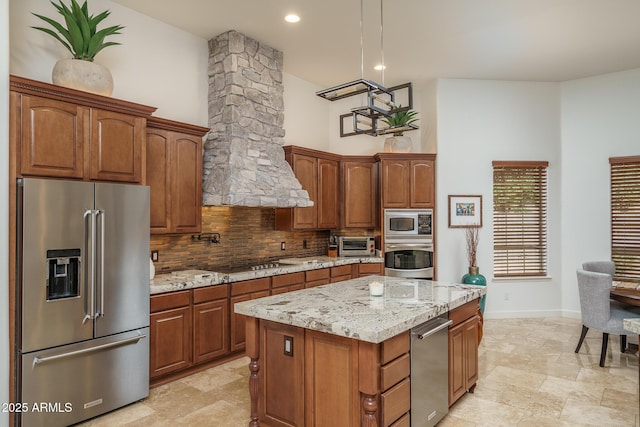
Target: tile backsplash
x=247 y=237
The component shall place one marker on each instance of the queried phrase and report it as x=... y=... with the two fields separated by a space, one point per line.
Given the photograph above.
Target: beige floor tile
x=517 y=377
x=583 y=412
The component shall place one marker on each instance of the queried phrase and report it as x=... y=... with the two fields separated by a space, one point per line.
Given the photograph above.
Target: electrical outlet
x=506 y=296
x=154 y=256
x=288 y=345
x=283 y=245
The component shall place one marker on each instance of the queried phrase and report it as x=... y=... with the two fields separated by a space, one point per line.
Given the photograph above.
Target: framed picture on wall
x=465 y=211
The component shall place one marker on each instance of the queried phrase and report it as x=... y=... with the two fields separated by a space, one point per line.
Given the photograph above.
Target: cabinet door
x=328 y=194
x=158 y=179
x=457 y=383
x=116 y=146
x=52 y=138
x=186 y=170
x=210 y=330
x=170 y=343
x=238 y=336
x=395 y=177
x=306 y=170
x=359 y=190
x=471 y=351
x=422 y=184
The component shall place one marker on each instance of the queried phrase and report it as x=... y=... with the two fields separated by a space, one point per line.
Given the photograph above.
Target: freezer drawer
x=108 y=373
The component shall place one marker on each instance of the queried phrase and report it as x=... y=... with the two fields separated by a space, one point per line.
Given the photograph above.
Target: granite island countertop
x=190 y=279
x=346 y=308
x=631 y=325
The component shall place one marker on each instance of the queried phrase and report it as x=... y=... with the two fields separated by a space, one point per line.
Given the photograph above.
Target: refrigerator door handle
x=39 y=360
x=89 y=267
x=100 y=214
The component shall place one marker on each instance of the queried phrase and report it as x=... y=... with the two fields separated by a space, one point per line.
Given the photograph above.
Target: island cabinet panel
x=396 y=402
x=341 y=273
x=245 y=291
x=331 y=380
x=463 y=350
x=174 y=175
x=360 y=192
x=282 y=376
x=170 y=329
x=210 y=323
x=317 y=277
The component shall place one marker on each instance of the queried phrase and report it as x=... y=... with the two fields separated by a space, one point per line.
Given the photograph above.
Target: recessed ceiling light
x=380 y=67
x=292 y=17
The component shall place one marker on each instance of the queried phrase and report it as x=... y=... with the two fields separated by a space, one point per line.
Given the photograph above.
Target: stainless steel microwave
x=408 y=223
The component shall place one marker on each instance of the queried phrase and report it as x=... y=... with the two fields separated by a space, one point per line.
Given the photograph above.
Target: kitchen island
x=334 y=355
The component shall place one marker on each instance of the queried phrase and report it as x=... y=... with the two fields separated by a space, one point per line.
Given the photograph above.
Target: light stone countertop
x=631 y=325
x=190 y=279
x=346 y=308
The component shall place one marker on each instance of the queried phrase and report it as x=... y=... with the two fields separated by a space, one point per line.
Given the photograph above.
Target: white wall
x=478 y=122
x=305 y=114
x=156 y=65
x=600 y=119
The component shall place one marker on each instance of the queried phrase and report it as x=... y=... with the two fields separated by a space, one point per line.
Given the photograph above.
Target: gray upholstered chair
x=600 y=312
x=607 y=267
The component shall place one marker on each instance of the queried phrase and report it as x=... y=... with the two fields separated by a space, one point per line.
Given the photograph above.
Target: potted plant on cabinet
x=81 y=37
x=402 y=121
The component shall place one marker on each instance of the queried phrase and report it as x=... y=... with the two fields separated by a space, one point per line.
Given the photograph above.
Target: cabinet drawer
x=315 y=283
x=336 y=279
x=462 y=313
x=396 y=371
x=288 y=279
x=396 y=402
x=209 y=293
x=248 y=286
x=394 y=347
x=370 y=268
x=312 y=275
x=170 y=300
x=342 y=270
x=405 y=421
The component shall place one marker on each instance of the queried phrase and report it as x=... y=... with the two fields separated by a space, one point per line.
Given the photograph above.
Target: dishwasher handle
x=434 y=330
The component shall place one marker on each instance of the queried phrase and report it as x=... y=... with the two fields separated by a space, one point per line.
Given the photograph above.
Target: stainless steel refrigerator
x=83 y=299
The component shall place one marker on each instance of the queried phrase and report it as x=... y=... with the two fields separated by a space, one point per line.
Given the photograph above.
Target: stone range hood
x=243 y=159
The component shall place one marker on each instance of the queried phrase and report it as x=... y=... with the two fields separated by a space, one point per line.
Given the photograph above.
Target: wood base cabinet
x=463 y=350
x=170 y=329
x=245 y=291
x=310 y=378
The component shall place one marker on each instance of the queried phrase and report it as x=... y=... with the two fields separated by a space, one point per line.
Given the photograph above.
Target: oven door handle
x=427 y=247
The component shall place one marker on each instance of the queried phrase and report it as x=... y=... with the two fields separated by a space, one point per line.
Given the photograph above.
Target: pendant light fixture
x=380 y=99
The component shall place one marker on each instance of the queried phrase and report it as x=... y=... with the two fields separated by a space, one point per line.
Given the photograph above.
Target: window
x=625 y=217
x=519 y=219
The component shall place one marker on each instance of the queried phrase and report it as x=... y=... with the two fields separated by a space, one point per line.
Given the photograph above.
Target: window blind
x=625 y=217
x=519 y=218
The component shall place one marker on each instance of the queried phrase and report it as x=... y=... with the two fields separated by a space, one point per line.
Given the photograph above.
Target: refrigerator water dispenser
x=63 y=273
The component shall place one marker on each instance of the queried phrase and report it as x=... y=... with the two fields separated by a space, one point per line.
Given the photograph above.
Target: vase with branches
x=473 y=277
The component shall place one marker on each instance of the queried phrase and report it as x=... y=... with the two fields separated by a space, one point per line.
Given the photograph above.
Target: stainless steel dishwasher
x=430 y=372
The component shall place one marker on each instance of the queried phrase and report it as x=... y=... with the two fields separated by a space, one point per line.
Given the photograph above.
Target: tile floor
x=529 y=376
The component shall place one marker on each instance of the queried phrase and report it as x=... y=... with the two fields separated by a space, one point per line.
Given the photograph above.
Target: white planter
x=83 y=75
x=398 y=144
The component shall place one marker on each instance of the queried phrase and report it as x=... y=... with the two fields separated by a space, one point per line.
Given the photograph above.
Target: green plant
x=80 y=36
x=400 y=119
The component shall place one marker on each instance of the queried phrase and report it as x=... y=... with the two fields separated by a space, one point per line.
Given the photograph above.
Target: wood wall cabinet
x=407 y=180
x=244 y=291
x=463 y=350
x=359 y=192
x=65 y=133
x=170 y=330
x=318 y=173
x=174 y=175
